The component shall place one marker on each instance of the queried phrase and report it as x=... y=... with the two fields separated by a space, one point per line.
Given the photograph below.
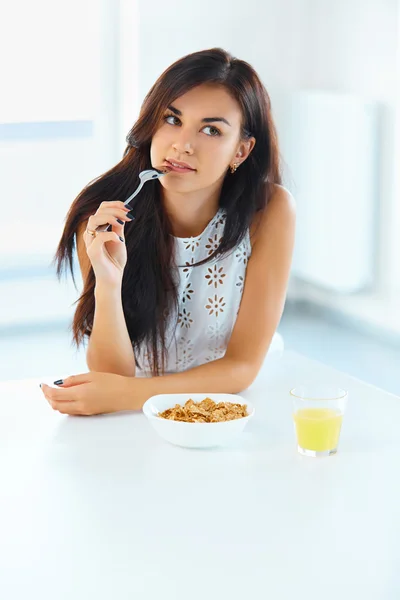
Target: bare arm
x=110 y=349
x=260 y=311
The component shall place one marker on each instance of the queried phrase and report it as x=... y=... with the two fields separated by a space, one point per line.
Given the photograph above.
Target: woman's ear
x=244 y=149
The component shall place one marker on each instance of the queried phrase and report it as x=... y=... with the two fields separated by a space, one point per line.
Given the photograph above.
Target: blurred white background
x=74 y=75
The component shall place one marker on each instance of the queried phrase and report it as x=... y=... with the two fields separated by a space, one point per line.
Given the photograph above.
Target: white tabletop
x=101 y=508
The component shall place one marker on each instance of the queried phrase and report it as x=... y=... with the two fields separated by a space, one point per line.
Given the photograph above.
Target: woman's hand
x=95 y=393
x=107 y=250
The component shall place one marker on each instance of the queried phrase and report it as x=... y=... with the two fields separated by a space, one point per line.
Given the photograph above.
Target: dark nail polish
x=59 y=382
x=120 y=222
x=122 y=239
x=40 y=385
x=130 y=215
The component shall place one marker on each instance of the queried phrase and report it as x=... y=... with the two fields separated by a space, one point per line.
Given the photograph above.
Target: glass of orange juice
x=318 y=413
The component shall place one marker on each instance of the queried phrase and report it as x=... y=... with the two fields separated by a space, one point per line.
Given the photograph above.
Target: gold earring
x=234 y=167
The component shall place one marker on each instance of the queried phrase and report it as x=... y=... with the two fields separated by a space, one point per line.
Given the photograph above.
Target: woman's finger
x=65 y=408
x=96 y=249
x=73 y=380
x=117 y=229
x=59 y=394
x=114 y=203
x=110 y=210
x=104 y=217
x=96 y=246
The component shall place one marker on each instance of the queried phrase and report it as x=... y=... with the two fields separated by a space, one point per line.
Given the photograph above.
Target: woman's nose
x=183 y=147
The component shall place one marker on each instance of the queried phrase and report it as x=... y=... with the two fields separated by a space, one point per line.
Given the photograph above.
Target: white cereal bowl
x=195 y=435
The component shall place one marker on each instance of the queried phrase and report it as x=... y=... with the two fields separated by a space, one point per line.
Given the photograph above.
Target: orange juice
x=318 y=429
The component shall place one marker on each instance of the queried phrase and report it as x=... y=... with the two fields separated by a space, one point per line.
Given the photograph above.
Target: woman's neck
x=189 y=213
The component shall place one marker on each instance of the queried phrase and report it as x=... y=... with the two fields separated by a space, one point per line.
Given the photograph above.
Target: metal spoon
x=144 y=176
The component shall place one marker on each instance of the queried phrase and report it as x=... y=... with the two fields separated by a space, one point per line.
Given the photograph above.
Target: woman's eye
x=214 y=131
x=170 y=117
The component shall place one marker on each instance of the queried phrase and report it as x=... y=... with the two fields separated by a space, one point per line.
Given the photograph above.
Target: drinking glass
x=318 y=414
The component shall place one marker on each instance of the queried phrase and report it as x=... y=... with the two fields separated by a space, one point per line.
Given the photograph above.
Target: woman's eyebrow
x=205 y=120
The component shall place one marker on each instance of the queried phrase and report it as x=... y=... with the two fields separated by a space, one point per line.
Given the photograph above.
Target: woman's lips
x=178 y=169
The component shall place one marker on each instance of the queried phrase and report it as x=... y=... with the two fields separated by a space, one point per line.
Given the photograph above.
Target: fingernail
x=59 y=382
x=40 y=385
x=120 y=222
x=130 y=215
x=122 y=239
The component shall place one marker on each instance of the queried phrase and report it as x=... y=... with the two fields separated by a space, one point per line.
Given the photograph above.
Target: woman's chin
x=177 y=185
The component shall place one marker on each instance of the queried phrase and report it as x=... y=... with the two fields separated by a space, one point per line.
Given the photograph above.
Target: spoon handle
x=147 y=175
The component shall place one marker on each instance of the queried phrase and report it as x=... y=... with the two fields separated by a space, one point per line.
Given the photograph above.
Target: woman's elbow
x=243 y=374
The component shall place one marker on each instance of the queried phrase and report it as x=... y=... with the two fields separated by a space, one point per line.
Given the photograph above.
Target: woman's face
x=201 y=128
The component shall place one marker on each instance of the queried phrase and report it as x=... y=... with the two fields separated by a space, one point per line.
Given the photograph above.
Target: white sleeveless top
x=209 y=298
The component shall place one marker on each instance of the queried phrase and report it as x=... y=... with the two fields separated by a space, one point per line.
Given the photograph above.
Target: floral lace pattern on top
x=209 y=298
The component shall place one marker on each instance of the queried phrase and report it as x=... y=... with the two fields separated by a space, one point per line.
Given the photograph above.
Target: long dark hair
x=148 y=288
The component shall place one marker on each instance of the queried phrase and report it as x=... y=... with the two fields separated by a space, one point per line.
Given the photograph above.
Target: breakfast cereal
x=206 y=411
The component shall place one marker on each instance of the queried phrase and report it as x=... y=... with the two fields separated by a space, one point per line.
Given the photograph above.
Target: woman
x=187 y=295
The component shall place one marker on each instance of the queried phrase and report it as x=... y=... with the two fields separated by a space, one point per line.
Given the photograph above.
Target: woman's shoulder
x=279 y=204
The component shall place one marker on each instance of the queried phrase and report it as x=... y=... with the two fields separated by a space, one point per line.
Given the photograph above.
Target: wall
x=269 y=35
x=353 y=46
x=346 y=46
